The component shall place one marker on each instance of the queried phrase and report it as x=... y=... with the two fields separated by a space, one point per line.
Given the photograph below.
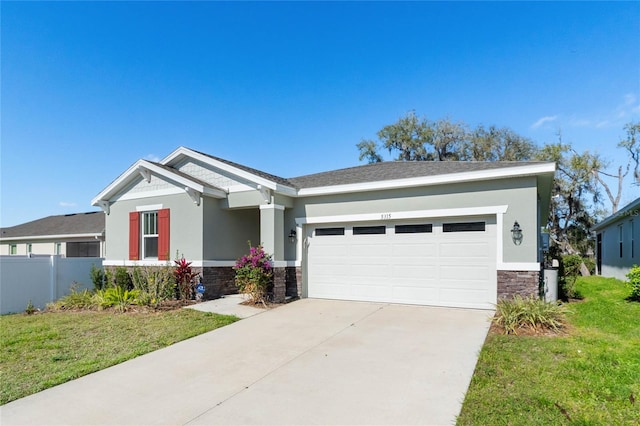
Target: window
x=620 y=240
x=13 y=249
x=58 y=249
x=369 y=230
x=83 y=249
x=414 y=229
x=29 y=248
x=329 y=231
x=150 y=235
x=633 y=252
x=463 y=227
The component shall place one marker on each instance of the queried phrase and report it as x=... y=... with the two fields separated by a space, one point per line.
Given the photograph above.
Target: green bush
x=532 y=313
x=156 y=282
x=75 y=300
x=634 y=283
x=98 y=277
x=568 y=273
x=118 y=298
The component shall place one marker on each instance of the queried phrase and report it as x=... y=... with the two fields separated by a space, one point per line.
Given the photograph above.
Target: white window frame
x=620 y=240
x=29 y=248
x=13 y=249
x=58 y=248
x=144 y=236
x=633 y=252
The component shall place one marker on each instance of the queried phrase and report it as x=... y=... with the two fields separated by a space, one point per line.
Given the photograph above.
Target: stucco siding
x=226 y=232
x=185 y=226
x=519 y=194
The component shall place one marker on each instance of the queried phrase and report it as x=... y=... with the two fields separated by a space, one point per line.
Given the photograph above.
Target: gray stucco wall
x=520 y=194
x=226 y=232
x=613 y=265
x=186 y=226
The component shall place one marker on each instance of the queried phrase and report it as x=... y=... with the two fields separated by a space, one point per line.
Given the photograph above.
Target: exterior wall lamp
x=292 y=236
x=516 y=233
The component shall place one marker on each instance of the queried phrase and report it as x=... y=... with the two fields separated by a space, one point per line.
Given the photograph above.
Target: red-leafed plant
x=185 y=278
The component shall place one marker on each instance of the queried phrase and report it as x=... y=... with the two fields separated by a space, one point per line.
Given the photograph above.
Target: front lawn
x=43 y=350
x=590 y=376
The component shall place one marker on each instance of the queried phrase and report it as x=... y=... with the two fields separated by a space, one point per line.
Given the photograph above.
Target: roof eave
x=628 y=210
x=507 y=172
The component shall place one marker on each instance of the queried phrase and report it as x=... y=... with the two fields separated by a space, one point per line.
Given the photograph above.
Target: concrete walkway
x=308 y=362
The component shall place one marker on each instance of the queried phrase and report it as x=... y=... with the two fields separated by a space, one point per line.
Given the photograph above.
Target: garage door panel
x=432 y=268
x=464 y=249
x=414 y=250
x=465 y=272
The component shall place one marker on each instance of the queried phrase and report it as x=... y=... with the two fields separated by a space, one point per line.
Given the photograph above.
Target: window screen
x=463 y=227
x=83 y=249
x=329 y=231
x=414 y=229
x=369 y=230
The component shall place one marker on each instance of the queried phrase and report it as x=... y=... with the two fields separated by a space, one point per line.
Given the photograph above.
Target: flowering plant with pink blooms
x=254 y=273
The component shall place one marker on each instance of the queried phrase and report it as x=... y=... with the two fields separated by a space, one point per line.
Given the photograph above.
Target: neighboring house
x=616 y=238
x=433 y=233
x=70 y=235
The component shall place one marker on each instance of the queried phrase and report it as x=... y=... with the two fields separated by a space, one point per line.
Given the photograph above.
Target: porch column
x=272 y=230
x=272 y=238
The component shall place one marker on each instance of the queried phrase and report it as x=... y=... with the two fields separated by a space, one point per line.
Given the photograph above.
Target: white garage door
x=444 y=262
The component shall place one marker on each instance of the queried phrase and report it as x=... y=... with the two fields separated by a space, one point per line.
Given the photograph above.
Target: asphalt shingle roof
x=69 y=224
x=392 y=170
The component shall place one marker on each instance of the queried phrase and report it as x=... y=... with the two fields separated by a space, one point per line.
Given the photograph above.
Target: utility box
x=551 y=284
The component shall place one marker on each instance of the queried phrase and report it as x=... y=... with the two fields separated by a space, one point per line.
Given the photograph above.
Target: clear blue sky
x=291 y=88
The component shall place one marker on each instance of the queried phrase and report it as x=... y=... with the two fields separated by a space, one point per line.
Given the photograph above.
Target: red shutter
x=134 y=236
x=164 y=226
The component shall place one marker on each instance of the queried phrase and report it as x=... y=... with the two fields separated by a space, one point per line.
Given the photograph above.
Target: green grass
x=43 y=350
x=588 y=377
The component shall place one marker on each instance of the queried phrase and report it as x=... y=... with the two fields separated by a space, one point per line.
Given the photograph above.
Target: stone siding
x=218 y=281
x=523 y=283
x=293 y=281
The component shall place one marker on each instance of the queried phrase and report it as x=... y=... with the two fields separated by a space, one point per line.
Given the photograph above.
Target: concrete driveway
x=309 y=362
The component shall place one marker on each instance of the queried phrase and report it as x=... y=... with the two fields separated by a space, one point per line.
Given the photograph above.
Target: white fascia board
x=132 y=171
x=229 y=168
x=412 y=214
x=52 y=237
x=114 y=186
x=529 y=170
x=518 y=266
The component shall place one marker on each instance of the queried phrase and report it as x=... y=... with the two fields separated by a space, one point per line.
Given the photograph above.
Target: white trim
x=149 y=194
x=518 y=266
x=215 y=263
x=51 y=237
x=271 y=207
x=142 y=165
x=528 y=170
x=412 y=214
x=148 y=208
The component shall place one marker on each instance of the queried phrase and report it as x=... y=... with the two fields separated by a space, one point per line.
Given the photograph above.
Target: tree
x=632 y=145
x=574 y=196
x=418 y=139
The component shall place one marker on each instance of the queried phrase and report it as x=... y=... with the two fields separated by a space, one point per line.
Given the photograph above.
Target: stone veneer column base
x=523 y=283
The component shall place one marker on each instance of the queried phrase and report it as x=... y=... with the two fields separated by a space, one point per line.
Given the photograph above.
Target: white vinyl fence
x=41 y=279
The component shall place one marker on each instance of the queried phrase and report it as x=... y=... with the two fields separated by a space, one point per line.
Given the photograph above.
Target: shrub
x=532 y=313
x=156 y=282
x=74 y=300
x=118 y=297
x=569 y=271
x=122 y=278
x=30 y=309
x=254 y=273
x=98 y=277
x=634 y=283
